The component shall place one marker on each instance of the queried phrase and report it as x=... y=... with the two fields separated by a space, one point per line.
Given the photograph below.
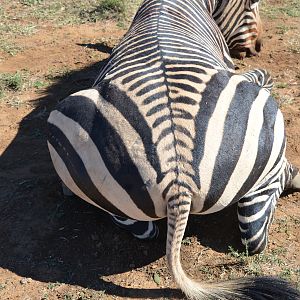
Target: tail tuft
x=267 y=288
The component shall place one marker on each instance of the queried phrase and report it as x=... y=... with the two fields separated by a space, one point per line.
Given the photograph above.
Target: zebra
x=247 y=40
x=169 y=129
x=261 y=77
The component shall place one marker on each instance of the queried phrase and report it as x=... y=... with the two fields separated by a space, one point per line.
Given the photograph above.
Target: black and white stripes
x=169 y=129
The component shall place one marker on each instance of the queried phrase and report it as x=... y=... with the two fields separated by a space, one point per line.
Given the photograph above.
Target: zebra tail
x=244 y=288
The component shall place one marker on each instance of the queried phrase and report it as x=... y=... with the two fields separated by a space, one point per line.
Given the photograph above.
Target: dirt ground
x=52 y=247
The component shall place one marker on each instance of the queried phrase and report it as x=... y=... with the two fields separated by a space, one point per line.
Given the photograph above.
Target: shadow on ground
x=49 y=238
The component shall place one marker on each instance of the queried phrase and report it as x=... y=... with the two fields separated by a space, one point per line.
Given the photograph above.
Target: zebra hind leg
x=143 y=230
x=255 y=210
x=261 y=77
x=255 y=214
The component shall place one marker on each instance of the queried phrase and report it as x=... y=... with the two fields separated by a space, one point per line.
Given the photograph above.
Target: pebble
x=25 y=280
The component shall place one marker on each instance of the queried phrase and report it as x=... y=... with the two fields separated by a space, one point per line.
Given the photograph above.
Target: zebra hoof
x=66 y=191
x=295 y=184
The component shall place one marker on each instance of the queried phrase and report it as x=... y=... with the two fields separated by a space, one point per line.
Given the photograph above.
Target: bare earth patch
x=57 y=248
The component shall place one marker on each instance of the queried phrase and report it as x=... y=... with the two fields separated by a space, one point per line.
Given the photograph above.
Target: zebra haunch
x=170 y=129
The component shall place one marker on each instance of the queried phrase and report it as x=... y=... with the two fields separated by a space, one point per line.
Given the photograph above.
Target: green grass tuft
x=290 y=8
x=12 y=82
x=31 y=2
x=112 y=6
x=119 y=10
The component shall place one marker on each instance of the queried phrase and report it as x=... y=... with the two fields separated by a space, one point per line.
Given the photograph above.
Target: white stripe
x=276 y=147
x=254 y=5
x=65 y=176
x=125 y=222
x=258 y=215
x=273 y=185
x=214 y=133
x=93 y=162
x=259 y=232
x=248 y=154
x=146 y=233
x=258 y=199
x=265 y=237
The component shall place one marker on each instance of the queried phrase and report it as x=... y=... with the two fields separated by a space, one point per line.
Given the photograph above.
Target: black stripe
x=262 y=193
x=265 y=143
x=141 y=81
x=150 y=87
x=180 y=113
x=132 y=114
x=257 y=223
x=154 y=97
x=179 y=195
x=184 y=100
x=208 y=103
x=177 y=142
x=165 y=132
x=143 y=37
x=251 y=210
x=128 y=66
x=160 y=120
x=179 y=157
x=232 y=141
x=236 y=17
x=155 y=109
x=179 y=184
x=111 y=148
x=185 y=69
x=77 y=169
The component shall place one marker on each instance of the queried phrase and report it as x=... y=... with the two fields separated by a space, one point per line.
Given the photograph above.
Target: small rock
x=25 y=280
x=156 y=278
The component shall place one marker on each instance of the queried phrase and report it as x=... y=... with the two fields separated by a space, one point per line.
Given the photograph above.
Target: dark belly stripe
x=132 y=114
x=77 y=169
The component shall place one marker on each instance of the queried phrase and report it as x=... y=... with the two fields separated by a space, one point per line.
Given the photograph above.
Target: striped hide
x=169 y=129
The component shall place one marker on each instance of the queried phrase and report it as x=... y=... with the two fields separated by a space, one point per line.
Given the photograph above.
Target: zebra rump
x=170 y=129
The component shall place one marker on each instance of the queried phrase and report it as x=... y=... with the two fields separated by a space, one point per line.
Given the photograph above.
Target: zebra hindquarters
x=99 y=157
x=98 y=161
